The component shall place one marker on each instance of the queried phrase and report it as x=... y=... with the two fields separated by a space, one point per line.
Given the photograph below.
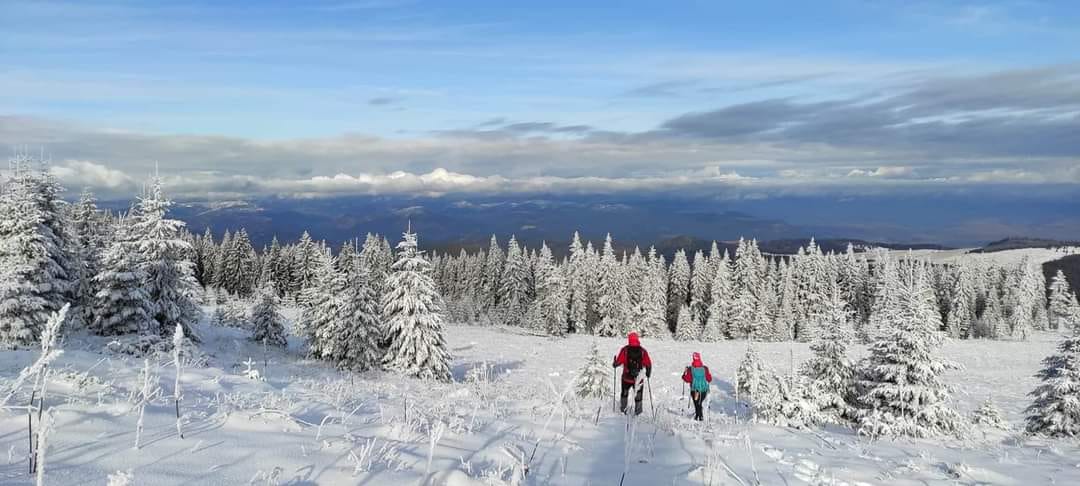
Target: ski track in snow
x=308 y=424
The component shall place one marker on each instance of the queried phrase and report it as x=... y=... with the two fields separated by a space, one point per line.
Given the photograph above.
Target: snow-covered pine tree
x=321 y=307
x=88 y=229
x=579 y=285
x=1055 y=409
x=748 y=280
x=790 y=402
x=900 y=383
x=1063 y=305
x=988 y=414
x=679 y=274
x=493 y=274
x=551 y=302
x=829 y=371
x=33 y=276
x=1033 y=283
x=306 y=262
x=238 y=271
x=786 y=314
x=162 y=256
x=962 y=305
x=593 y=380
x=686 y=328
x=886 y=291
x=700 y=297
x=267 y=323
x=720 y=319
x=613 y=297
x=754 y=380
x=513 y=293
x=121 y=305
x=653 y=305
x=413 y=311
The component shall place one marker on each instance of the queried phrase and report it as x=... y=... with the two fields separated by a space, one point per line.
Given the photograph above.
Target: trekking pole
x=648 y=384
x=614 y=379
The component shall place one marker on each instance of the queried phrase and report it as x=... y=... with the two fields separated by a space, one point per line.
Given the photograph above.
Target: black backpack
x=634 y=355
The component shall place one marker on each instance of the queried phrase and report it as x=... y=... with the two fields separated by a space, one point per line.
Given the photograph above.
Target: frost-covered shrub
x=752 y=376
x=988 y=414
x=593 y=380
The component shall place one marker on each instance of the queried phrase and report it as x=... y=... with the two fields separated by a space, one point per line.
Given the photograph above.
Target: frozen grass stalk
x=39 y=370
x=178 y=341
x=44 y=428
x=145 y=395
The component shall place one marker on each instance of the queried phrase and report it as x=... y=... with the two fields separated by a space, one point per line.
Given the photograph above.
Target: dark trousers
x=699 y=400
x=637 y=400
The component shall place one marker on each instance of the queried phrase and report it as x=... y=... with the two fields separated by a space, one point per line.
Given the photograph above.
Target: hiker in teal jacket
x=698 y=376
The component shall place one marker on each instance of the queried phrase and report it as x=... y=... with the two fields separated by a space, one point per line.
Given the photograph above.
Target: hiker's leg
x=622 y=400
x=638 y=399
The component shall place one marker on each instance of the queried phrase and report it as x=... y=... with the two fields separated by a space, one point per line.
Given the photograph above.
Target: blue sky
x=744 y=98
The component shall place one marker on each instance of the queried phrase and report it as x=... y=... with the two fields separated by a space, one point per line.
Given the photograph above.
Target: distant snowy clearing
x=1004 y=257
x=303 y=423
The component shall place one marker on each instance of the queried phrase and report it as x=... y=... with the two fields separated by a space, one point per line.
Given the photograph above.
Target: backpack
x=634 y=355
x=698 y=383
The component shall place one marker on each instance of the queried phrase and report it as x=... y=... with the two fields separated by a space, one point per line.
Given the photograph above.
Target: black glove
x=648 y=372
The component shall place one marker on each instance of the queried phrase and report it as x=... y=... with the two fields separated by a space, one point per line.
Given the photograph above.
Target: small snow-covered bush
x=752 y=376
x=151 y=345
x=122 y=478
x=990 y=415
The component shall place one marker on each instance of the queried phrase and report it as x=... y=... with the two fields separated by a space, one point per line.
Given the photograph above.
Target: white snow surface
x=1004 y=257
x=304 y=423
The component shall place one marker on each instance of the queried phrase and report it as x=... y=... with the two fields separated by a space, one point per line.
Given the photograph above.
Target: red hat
x=695 y=359
x=633 y=339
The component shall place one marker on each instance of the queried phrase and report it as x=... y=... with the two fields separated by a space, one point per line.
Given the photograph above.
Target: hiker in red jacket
x=698 y=376
x=633 y=358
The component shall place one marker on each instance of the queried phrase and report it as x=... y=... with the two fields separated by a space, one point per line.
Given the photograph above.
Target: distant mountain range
x=781 y=225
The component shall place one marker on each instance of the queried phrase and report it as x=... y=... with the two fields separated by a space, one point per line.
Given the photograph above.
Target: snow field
x=306 y=423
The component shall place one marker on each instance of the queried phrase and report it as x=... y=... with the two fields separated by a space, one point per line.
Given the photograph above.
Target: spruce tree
x=754 y=380
x=653 y=306
x=613 y=297
x=593 y=379
x=720 y=319
x=902 y=391
x=700 y=281
x=88 y=229
x=1063 y=305
x=31 y=275
x=267 y=323
x=988 y=414
x=318 y=321
x=358 y=322
x=493 y=273
x=162 y=256
x=121 y=305
x=551 y=302
x=679 y=275
x=1055 y=410
x=829 y=371
x=579 y=285
x=513 y=294
x=413 y=311
x=686 y=328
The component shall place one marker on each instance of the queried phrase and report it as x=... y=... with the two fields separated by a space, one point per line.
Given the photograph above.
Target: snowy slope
x=1006 y=257
x=308 y=424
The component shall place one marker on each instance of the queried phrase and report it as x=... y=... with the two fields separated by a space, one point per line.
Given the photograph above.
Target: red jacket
x=620 y=360
x=687 y=377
